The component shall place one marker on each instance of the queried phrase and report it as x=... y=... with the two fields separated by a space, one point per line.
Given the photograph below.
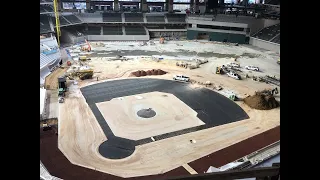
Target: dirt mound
x=148 y=73
x=261 y=101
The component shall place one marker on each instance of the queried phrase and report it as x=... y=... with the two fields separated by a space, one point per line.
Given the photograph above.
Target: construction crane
x=56 y=13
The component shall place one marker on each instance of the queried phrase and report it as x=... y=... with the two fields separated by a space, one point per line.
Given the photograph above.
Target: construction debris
x=199 y=62
x=194 y=66
x=261 y=101
x=148 y=73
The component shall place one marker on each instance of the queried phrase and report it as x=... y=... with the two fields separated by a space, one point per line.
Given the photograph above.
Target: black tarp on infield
x=212 y=108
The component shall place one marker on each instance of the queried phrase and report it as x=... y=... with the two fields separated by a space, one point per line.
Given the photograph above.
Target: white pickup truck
x=233 y=64
x=233 y=75
x=253 y=68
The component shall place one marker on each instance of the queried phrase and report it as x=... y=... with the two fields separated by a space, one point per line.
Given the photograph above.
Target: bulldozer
x=220 y=69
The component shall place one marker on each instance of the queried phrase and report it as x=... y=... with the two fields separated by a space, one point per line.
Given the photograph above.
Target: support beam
x=144 y=6
x=116 y=5
x=88 y=4
x=170 y=6
x=196 y=5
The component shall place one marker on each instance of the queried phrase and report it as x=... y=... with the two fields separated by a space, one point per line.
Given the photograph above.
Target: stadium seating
x=175 y=27
x=48 y=8
x=268 y=33
x=111 y=17
x=176 y=18
x=155 y=19
x=135 y=30
x=94 y=30
x=276 y=39
x=48 y=59
x=133 y=17
x=73 y=19
x=62 y=20
x=77 y=31
x=42 y=10
x=44 y=24
x=112 y=30
x=155 y=26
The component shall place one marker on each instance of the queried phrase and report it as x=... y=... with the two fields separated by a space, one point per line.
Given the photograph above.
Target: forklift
x=62 y=88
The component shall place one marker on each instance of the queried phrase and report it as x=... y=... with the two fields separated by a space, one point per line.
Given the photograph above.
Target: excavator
x=87 y=47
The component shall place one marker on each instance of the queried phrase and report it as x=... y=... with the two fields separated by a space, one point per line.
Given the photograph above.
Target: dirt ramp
x=261 y=101
x=148 y=72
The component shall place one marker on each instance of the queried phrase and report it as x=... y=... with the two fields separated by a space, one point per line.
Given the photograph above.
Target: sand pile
x=261 y=101
x=148 y=73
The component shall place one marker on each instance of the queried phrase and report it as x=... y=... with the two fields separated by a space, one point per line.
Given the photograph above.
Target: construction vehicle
x=234 y=75
x=62 y=88
x=86 y=47
x=83 y=58
x=83 y=72
x=221 y=70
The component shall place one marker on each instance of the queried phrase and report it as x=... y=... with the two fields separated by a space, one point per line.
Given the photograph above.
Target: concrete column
x=170 y=6
x=144 y=6
x=116 y=5
x=166 y=5
x=196 y=5
x=88 y=5
x=245 y=3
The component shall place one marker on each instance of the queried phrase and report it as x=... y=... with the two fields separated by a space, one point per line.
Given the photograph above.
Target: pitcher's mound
x=146 y=113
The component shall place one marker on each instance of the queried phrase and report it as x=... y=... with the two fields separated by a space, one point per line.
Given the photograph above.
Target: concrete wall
x=270 y=22
x=218 y=36
x=118 y=37
x=216 y=23
x=157 y=34
x=254 y=24
x=260 y=24
x=265 y=44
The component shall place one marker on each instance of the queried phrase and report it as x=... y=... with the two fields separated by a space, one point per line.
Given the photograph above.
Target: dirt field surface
x=59 y=166
x=109 y=70
x=80 y=135
x=51 y=81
